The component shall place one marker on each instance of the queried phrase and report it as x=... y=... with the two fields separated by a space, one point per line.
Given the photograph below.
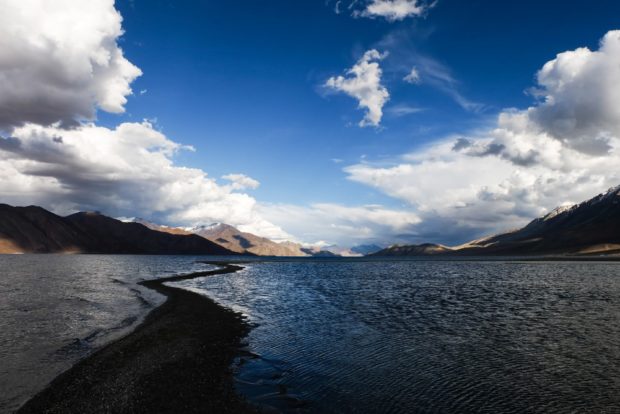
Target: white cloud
x=364 y=84
x=393 y=10
x=127 y=171
x=564 y=149
x=581 y=100
x=241 y=182
x=60 y=61
x=342 y=225
x=413 y=76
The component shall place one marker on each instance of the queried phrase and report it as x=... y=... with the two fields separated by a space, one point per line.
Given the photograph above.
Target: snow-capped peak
x=557 y=211
x=203 y=227
x=612 y=192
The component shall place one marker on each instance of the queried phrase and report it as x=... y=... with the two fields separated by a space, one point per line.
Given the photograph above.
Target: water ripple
x=401 y=337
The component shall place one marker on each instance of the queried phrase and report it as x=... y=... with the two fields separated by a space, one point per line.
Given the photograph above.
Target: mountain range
x=588 y=228
x=237 y=241
x=35 y=230
x=243 y=242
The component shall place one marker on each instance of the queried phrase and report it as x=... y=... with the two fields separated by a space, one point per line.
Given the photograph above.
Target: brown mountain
x=591 y=227
x=35 y=230
x=242 y=242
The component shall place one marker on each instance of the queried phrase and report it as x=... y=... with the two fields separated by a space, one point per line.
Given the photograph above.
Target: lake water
x=402 y=337
x=56 y=309
x=343 y=336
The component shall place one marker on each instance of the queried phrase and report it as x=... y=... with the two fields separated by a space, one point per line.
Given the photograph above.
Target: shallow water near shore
x=420 y=336
x=343 y=336
x=57 y=309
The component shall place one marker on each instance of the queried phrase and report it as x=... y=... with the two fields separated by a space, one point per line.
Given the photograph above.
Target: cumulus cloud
x=563 y=149
x=577 y=116
x=126 y=171
x=392 y=10
x=60 y=62
x=580 y=97
x=364 y=84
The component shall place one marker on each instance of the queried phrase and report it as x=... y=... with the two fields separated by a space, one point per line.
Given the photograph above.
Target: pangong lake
x=343 y=335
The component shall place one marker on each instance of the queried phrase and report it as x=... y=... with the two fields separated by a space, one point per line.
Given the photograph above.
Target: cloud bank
x=332 y=223
x=364 y=84
x=563 y=149
x=126 y=171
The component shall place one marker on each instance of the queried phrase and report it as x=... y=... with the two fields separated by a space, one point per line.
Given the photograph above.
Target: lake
x=344 y=336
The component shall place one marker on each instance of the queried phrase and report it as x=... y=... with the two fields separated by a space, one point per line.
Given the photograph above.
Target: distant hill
x=591 y=227
x=318 y=253
x=365 y=249
x=425 y=249
x=242 y=242
x=333 y=250
x=35 y=230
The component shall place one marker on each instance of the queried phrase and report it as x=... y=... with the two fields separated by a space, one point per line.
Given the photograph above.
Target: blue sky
x=247 y=85
x=241 y=81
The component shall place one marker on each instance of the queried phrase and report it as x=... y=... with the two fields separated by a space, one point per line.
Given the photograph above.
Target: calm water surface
x=417 y=336
x=341 y=336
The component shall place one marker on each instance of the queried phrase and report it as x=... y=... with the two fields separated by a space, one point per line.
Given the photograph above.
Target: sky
x=320 y=121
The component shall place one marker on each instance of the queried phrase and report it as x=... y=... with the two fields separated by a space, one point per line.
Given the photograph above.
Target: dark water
x=408 y=337
x=55 y=310
x=341 y=336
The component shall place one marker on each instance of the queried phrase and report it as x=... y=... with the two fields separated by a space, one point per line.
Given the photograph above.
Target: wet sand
x=177 y=361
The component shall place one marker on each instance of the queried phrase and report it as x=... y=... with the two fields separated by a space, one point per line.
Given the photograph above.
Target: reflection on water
x=428 y=336
x=56 y=309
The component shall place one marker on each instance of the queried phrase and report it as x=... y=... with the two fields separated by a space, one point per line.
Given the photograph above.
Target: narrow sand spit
x=176 y=361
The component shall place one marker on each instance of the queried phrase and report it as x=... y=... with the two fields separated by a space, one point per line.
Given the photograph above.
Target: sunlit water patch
x=407 y=337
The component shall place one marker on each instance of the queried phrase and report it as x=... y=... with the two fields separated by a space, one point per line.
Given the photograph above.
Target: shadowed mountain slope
x=425 y=249
x=591 y=227
x=35 y=230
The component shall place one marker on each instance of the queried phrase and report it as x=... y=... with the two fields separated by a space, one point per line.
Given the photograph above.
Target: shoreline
x=177 y=360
